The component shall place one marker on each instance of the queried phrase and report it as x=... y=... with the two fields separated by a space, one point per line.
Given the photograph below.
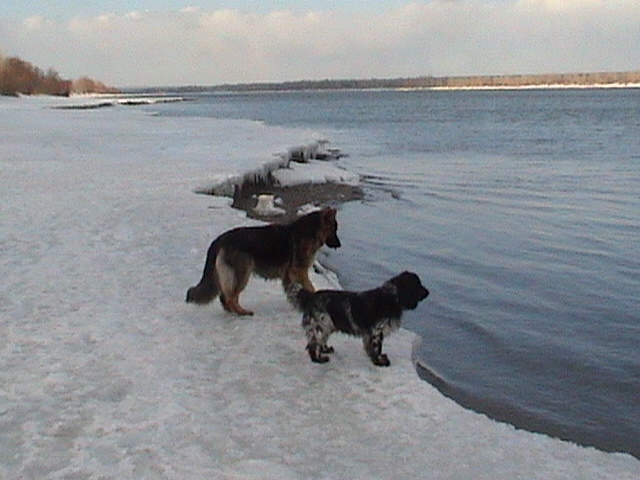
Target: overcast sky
x=207 y=42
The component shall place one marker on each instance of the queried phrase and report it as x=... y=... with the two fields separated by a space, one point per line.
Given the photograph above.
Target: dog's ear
x=331 y=227
x=329 y=213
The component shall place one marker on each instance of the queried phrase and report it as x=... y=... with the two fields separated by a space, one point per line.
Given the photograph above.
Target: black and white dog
x=370 y=314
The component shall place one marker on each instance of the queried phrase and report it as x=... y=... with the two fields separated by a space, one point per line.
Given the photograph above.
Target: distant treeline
x=20 y=77
x=560 y=79
x=480 y=81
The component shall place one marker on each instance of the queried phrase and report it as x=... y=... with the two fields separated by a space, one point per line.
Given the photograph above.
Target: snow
x=266 y=206
x=106 y=373
x=313 y=172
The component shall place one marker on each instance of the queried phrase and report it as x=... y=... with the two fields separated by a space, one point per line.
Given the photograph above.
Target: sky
x=208 y=42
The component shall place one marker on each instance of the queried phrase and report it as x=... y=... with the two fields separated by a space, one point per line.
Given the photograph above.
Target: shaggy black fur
x=370 y=314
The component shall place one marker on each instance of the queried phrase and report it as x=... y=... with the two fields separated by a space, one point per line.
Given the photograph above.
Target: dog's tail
x=208 y=288
x=297 y=295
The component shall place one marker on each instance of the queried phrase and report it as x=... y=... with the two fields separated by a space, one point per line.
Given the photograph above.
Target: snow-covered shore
x=107 y=373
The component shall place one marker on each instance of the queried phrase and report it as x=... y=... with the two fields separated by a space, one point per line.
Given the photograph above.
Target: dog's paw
x=224 y=303
x=327 y=349
x=381 y=360
x=316 y=353
x=320 y=359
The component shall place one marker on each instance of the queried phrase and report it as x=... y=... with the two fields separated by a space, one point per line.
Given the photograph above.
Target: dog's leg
x=224 y=303
x=233 y=279
x=373 y=346
x=233 y=299
x=235 y=307
x=299 y=275
x=306 y=282
x=317 y=338
x=236 y=294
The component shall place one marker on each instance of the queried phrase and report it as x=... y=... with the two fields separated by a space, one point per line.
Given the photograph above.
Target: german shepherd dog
x=371 y=314
x=270 y=251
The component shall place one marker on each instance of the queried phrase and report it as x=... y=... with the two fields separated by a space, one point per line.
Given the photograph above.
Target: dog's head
x=410 y=289
x=330 y=227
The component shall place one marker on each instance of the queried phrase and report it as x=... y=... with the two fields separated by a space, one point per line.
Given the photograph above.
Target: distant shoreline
x=545 y=86
x=629 y=79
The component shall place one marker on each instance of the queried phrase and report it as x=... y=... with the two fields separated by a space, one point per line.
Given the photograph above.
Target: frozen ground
x=105 y=372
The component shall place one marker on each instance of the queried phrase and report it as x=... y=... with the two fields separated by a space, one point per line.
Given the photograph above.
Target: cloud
x=35 y=23
x=442 y=37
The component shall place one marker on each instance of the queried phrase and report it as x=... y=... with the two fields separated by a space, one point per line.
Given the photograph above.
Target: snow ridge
x=280 y=170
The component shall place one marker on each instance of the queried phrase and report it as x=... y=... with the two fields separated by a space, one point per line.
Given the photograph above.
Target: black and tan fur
x=371 y=314
x=271 y=251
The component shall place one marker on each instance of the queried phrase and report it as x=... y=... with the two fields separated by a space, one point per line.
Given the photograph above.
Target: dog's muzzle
x=333 y=242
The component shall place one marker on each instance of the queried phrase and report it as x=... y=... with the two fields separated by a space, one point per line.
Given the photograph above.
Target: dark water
x=521 y=212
